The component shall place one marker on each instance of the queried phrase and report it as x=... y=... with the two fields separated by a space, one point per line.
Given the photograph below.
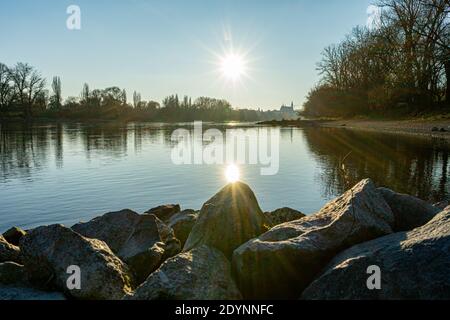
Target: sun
x=232 y=173
x=232 y=66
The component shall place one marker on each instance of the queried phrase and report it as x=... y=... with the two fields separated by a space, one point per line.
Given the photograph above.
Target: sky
x=165 y=47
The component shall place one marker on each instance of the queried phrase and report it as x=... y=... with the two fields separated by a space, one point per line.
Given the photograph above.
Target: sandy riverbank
x=431 y=128
x=417 y=127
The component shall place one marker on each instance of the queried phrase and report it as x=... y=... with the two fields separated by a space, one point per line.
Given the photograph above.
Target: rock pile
x=230 y=249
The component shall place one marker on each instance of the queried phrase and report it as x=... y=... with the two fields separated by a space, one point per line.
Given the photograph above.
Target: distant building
x=287 y=109
x=288 y=112
x=283 y=113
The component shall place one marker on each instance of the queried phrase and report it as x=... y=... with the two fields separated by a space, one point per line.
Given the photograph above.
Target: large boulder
x=142 y=241
x=12 y=273
x=145 y=262
x=414 y=265
x=200 y=274
x=13 y=235
x=27 y=293
x=409 y=212
x=283 y=215
x=14 y=285
x=182 y=224
x=228 y=219
x=164 y=212
x=115 y=228
x=442 y=204
x=8 y=251
x=282 y=262
x=49 y=251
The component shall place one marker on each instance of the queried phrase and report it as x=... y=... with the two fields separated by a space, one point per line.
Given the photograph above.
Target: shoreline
x=425 y=128
x=411 y=127
x=416 y=127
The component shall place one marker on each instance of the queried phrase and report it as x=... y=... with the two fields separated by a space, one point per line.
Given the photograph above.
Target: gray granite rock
x=283 y=261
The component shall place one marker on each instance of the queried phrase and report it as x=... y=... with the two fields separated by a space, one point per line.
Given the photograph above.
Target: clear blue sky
x=166 y=46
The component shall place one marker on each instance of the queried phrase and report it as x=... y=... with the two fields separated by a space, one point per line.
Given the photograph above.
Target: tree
x=112 y=96
x=423 y=27
x=124 y=97
x=136 y=99
x=22 y=87
x=152 y=105
x=437 y=30
x=56 y=99
x=71 y=103
x=96 y=97
x=85 y=94
x=402 y=62
x=6 y=89
x=35 y=88
x=28 y=85
x=20 y=74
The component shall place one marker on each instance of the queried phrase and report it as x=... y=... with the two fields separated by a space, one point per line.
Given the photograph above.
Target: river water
x=70 y=172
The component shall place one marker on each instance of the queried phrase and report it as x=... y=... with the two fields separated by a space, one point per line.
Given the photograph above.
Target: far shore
x=420 y=127
x=429 y=128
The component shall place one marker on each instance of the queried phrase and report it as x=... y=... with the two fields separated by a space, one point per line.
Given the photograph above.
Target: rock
x=414 y=266
x=172 y=245
x=8 y=251
x=282 y=262
x=171 y=248
x=200 y=274
x=12 y=273
x=182 y=224
x=228 y=219
x=146 y=262
x=409 y=212
x=14 y=235
x=115 y=228
x=26 y=293
x=442 y=205
x=283 y=215
x=142 y=241
x=164 y=212
x=14 y=285
x=48 y=252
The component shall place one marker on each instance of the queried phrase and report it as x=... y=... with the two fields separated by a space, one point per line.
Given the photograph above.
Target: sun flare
x=232 y=66
x=232 y=173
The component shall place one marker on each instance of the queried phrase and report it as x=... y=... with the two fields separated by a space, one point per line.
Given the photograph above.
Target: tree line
x=24 y=95
x=398 y=65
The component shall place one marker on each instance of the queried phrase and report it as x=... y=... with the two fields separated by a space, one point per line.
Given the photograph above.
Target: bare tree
x=424 y=42
x=436 y=29
x=403 y=62
x=20 y=74
x=35 y=89
x=28 y=85
x=6 y=89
